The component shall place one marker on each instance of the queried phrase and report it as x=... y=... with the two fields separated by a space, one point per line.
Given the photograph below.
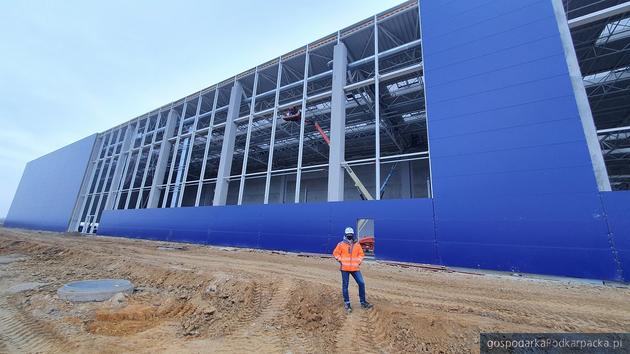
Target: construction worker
x=350 y=255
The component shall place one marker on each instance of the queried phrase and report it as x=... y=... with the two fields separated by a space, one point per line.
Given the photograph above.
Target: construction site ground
x=193 y=298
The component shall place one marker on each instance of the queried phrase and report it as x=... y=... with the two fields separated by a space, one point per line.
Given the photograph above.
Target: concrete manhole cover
x=94 y=290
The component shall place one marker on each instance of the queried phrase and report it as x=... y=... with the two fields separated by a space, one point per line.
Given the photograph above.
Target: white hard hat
x=349 y=230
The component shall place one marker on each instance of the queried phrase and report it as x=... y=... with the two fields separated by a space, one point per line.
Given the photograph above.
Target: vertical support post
x=252 y=104
x=208 y=141
x=283 y=189
x=178 y=129
x=337 y=124
x=227 y=149
x=405 y=179
x=146 y=168
x=87 y=183
x=273 y=132
x=126 y=153
x=103 y=194
x=161 y=166
x=426 y=114
x=136 y=164
x=377 y=113
x=298 y=176
x=193 y=136
x=584 y=108
x=117 y=171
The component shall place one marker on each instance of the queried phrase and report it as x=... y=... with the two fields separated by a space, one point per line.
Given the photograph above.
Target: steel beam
x=208 y=141
x=298 y=176
x=584 y=109
x=599 y=15
x=377 y=113
x=161 y=166
x=273 y=133
x=241 y=188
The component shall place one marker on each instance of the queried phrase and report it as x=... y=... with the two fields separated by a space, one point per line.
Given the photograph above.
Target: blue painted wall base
x=560 y=240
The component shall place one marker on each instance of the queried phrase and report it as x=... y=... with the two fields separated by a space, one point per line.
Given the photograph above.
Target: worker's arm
x=337 y=253
x=361 y=254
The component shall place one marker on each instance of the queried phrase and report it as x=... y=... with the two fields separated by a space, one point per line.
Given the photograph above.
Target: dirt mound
x=200 y=313
x=311 y=318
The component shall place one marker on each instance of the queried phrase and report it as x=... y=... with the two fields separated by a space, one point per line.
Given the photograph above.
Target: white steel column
x=426 y=111
x=337 y=124
x=298 y=176
x=103 y=198
x=96 y=155
x=149 y=157
x=208 y=141
x=160 y=167
x=191 y=146
x=273 y=132
x=120 y=168
x=377 y=113
x=584 y=108
x=252 y=104
x=227 y=150
x=137 y=163
x=178 y=130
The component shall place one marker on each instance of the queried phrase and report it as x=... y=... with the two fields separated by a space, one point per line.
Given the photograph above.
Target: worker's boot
x=347 y=307
x=366 y=305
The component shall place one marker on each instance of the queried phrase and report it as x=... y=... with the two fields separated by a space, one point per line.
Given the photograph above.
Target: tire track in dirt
x=259 y=335
x=247 y=314
x=21 y=334
x=362 y=332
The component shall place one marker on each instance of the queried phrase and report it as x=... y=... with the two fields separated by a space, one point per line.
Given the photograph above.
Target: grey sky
x=72 y=68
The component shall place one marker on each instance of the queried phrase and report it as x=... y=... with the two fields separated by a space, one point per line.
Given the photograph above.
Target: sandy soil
x=193 y=298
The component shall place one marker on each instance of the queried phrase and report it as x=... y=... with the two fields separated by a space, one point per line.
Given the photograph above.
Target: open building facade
x=447 y=130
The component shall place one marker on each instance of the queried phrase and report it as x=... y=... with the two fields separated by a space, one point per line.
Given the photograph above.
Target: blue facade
x=49 y=188
x=512 y=177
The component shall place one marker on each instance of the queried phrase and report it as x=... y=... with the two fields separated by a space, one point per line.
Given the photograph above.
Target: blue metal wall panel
x=50 y=185
x=617 y=205
x=512 y=178
x=404 y=228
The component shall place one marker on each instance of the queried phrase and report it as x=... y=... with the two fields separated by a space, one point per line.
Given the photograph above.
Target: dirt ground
x=192 y=298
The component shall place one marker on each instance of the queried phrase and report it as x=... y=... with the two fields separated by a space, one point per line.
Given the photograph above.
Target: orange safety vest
x=350 y=255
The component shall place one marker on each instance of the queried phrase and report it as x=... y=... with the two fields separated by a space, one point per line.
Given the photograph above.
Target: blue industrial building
x=478 y=134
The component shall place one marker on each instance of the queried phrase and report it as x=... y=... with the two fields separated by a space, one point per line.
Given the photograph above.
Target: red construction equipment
x=292 y=115
x=367 y=243
x=322 y=133
x=295 y=115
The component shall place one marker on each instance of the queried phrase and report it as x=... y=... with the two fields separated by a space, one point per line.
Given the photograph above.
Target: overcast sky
x=69 y=69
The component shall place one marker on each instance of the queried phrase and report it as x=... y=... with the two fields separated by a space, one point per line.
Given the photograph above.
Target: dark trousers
x=345 y=279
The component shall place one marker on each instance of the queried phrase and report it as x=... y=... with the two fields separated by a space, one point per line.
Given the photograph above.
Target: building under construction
x=476 y=134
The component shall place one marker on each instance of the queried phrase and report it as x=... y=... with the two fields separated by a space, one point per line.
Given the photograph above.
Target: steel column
x=227 y=150
x=337 y=124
